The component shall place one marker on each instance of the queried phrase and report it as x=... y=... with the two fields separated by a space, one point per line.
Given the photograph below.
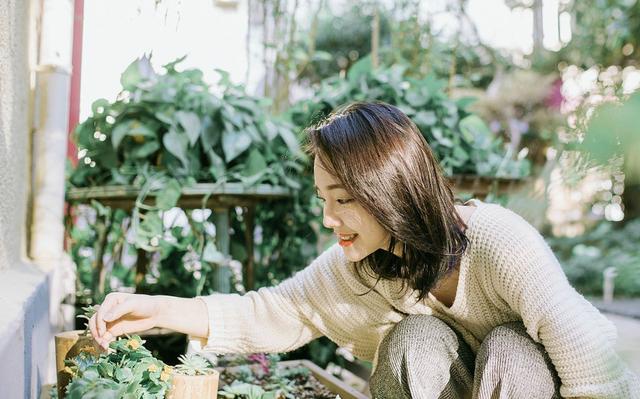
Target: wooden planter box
x=332 y=383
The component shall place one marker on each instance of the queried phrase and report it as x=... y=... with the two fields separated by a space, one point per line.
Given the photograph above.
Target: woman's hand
x=122 y=313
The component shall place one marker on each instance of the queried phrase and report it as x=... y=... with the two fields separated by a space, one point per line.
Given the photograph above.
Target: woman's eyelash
x=344 y=201
x=339 y=201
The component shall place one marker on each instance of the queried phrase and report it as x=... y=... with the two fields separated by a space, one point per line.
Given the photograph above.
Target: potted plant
x=127 y=370
x=70 y=344
x=193 y=378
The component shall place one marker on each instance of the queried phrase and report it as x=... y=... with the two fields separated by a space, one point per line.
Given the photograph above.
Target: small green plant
x=89 y=311
x=193 y=364
x=128 y=370
x=263 y=378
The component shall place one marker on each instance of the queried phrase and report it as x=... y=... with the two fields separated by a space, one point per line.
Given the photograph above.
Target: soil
x=306 y=385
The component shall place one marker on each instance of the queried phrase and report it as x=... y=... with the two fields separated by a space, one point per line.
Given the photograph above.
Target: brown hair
x=384 y=162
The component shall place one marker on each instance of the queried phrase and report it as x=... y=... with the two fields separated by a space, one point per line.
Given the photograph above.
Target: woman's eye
x=344 y=201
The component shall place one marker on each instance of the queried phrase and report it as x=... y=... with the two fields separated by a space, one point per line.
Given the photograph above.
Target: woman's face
x=358 y=232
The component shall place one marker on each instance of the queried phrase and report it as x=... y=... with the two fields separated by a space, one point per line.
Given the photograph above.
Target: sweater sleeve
x=579 y=340
x=321 y=299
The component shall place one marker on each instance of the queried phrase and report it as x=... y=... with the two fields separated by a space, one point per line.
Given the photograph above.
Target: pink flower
x=555 y=98
x=261 y=359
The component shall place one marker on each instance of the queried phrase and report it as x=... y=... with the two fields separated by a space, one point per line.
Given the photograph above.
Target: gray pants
x=422 y=357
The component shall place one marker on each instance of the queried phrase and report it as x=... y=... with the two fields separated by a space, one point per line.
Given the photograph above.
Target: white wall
x=24 y=293
x=116 y=32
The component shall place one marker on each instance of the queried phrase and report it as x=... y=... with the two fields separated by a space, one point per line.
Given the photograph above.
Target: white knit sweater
x=508 y=273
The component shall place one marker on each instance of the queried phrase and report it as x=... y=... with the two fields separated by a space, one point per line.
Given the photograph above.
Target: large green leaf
x=234 y=143
x=190 y=122
x=177 y=144
x=138 y=71
x=255 y=163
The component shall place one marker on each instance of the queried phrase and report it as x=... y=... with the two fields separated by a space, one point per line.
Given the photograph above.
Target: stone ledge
x=25 y=330
x=629 y=307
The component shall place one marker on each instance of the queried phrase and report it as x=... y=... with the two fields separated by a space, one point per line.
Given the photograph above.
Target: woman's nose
x=329 y=218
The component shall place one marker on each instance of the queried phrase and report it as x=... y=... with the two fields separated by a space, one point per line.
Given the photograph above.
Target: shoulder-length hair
x=384 y=162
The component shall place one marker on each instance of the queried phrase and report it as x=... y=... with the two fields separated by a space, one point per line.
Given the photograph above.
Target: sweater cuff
x=224 y=326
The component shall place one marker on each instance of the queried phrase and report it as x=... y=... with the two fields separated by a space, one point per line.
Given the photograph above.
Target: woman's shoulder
x=493 y=221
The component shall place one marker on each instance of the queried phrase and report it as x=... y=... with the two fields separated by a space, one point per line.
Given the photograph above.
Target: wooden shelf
x=221 y=196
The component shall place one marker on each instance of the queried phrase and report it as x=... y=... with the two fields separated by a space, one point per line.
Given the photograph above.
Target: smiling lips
x=347 y=239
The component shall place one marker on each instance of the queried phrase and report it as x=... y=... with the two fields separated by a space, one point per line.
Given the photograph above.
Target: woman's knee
x=420 y=331
x=507 y=339
x=415 y=358
x=510 y=360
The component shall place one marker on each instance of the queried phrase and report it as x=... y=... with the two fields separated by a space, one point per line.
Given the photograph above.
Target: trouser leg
x=509 y=364
x=423 y=358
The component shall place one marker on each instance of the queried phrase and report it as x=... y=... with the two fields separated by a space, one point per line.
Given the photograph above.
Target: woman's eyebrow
x=331 y=187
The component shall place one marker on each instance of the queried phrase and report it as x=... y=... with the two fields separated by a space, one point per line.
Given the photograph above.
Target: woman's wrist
x=186 y=315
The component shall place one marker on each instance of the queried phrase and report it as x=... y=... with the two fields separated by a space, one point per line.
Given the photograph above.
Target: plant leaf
x=234 y=143
x=191 y=124
x=168 y=198
x=177 y=145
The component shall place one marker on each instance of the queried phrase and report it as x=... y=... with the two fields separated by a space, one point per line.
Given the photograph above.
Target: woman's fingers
x=120 y=309
x=111 y=300
x=93 y=328
x=125 y=326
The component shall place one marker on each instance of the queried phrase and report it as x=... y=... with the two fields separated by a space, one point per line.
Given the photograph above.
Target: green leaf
x=475 y=131
x=123 y=374
x=360 y=69
x=191 y=124
x=138 y=71
x=177 y=145
x=255 y=163
x=290 y=139
x=460 y=154
x=168 y=198
x=270 y=129
x=465 y=102
x=425 y=118
x=210 y=134
x=217 y=168
x=130 y=128
x=234 y=143
x=146 y=149
x=99 y=106
x=416 y=99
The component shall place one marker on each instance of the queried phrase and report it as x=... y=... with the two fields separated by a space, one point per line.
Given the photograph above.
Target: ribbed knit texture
x=423 y=358
x=508 y=273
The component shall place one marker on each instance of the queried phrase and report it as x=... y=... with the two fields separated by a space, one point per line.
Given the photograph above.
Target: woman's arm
x=122 y=313
x=321 y=299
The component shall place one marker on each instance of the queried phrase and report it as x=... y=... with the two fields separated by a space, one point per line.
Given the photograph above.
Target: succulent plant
x=128 y=370
x=193 y=364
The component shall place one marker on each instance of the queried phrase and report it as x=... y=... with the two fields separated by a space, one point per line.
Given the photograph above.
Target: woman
x=447 y=300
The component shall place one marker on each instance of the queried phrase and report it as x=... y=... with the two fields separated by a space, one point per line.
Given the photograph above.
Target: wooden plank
x=218 y=196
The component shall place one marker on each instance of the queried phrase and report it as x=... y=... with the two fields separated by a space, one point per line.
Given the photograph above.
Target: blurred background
x=155 y=146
